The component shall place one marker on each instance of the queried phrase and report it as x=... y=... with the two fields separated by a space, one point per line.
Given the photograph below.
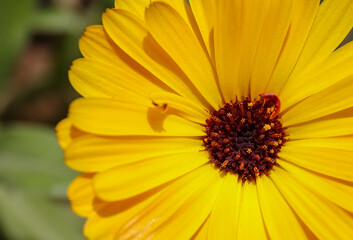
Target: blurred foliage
x=33 y=186
x=39 y=40
x=14 y=24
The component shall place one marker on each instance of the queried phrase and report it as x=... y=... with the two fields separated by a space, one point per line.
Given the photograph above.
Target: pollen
x=244 y=139
x=267 y=127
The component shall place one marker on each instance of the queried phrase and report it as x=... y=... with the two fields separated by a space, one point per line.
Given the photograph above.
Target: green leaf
x=33 y=184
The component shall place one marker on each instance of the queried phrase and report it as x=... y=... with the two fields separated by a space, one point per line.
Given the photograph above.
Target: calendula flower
x=222 y=119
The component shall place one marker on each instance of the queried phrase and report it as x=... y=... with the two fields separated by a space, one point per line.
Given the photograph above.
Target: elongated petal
x=66 y=132
x=95 y=153
x=227 y=35
x=132 y=179
x=333 y=99
x=274 y=32
x=251 y=225
x=81 y=195
x=130 y=34
x=225 y=213
x=200 y=186
x=332 y=24
x=106 y=220
x=94 y=79
x=186 y=221
x=185 y=108
x=138 y=7
x=201 y=234
x=280 y=220
x=96 y=44
x=319 y=214
x=339 y=193
x=324 y=128
x=332 y=162
x=180 y=42
x=204 y=13
x=336 y=68
x=254 y=17
x=344 y=143
x=110 y=117
x=304 y=13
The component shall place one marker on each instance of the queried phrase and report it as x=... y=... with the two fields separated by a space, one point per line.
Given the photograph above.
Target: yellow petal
x=137 y=177
x=325 y=219
x=96 y=44
x=333 y=99
x=186 y=221
x=332 y=24
x=339 y=193
x=111 y=117
x=106 y=220
x=179 y=210
x=130 y=34
x=201 y=234
x=66 y=132
x=185 y=108
x=304 y=13
x=94 y=79
x=254 y=13
x=204 y=14
x=332 y=162
x=96 y=153
x=227 y=35
x=225 y=213
x=344 y=143
x=179 y=41
x=251 y=225
x=280 y=221
x=81 y=195
x=274 y=32
x=324 y=128
x=336 y=68
x=138 y=7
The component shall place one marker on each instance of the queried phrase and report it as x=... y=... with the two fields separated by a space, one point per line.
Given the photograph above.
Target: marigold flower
x=225 y=119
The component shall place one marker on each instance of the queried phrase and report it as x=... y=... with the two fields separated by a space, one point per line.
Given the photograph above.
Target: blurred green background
x=38 y=42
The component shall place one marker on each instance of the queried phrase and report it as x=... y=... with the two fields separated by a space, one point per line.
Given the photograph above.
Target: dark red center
x=244 y=137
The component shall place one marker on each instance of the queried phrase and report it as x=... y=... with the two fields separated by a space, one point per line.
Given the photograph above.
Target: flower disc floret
x=244 y=137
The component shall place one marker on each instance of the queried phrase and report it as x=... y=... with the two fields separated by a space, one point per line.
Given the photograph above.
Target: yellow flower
x=225 y=119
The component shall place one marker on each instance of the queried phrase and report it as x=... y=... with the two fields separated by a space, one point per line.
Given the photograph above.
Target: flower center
x=244 y=137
